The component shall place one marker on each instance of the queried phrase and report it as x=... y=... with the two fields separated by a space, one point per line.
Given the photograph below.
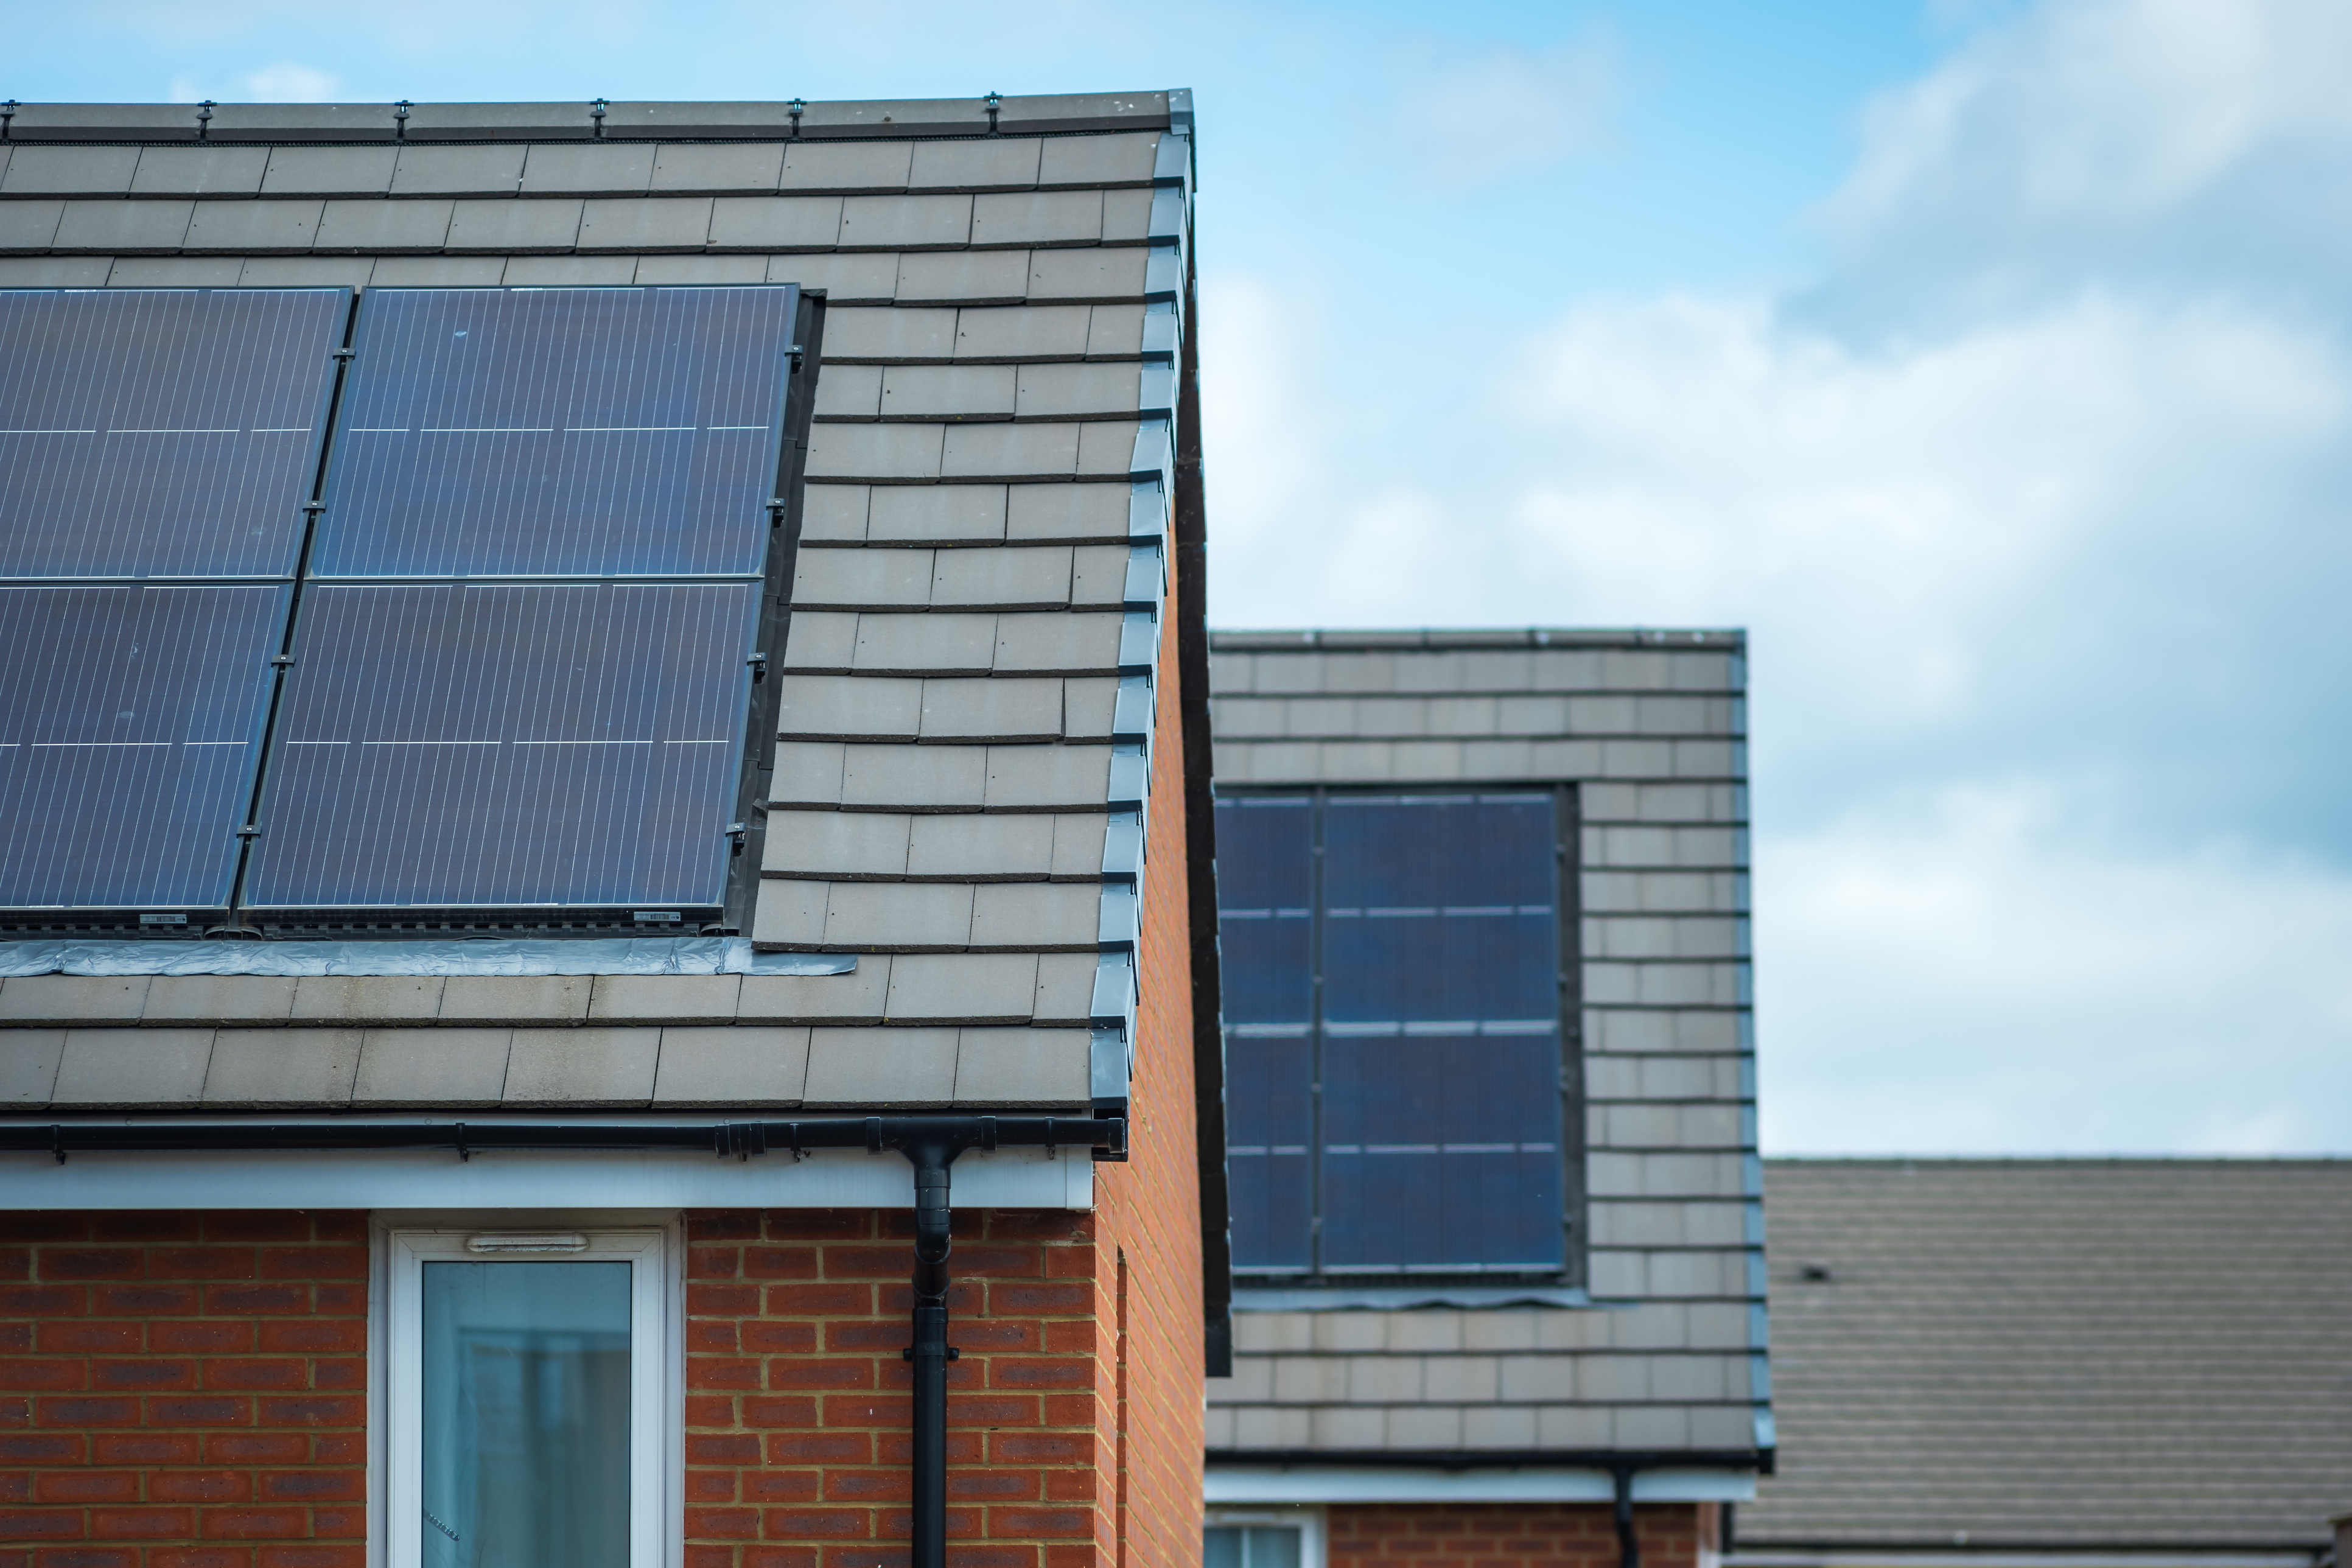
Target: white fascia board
x=549 y=1179
x=1960 y=1557
x=1229 y=1484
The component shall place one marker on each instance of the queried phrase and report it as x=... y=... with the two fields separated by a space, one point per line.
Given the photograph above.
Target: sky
x=1989 y=361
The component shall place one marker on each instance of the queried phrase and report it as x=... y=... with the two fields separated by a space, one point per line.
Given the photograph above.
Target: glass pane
x=526 y=1439
x=1223 y=1548
x=1275 y=1547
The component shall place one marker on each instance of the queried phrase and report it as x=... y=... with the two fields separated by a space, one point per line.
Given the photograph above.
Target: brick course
x=183 y=1390
x=1511 y=1535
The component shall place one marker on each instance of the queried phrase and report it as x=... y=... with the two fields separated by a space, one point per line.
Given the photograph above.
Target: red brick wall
x=1510 y=1535
x=183 y=1390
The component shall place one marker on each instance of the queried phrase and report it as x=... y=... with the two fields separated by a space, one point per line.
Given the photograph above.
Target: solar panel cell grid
x=508 y=745
x=151 y=433
x=129 y=717
x=563 y=431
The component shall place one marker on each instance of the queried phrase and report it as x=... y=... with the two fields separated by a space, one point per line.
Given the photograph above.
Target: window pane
x=1272 y=1548
x=1222 y=1548
x=526 y=1427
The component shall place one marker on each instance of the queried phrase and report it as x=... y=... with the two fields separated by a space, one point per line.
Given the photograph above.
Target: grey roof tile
x=962 y=988
x=866 y=280
x=1038 y=217
x=518 y=121
x=1047 y=778
x=964 y=278
x=1067 y=511
x=788 y=914
x=847 y=166
x=1065 y=988
x=948 y=392
x=120 y=227
x=675 y=269
x=664 y=998
x=219 y=999
x=905 y=222
x=133 y=1067
x=1031 y=578
x=1114 y=331
x=270 y=1068
x=482 y=170
x=73 y=999
x=1106 y=447
x=914 y=1069
x=734 y=168
x=248 y=227
x=847 y=845
x=807 y=772
x=1010 y=451
x=899 y=917
x=104 y=121
x=582 y=1067
x=517 y=228
x=1063 y=644
x=997 y=164
x=821 y=642
x=1077 y=391
x=834 y=514
x=644 y=224
x=901 y=452
x=1022 y=332
x=70 y=171
x=972 y=847
x=367 y=999
x=841 y=707
x=1127 y=215
x=1123 y=159
x=212 y=170
x=992 y=709
x=854 y=998
x=303 y=122
x=926 y=644
x=1078 y=845
x=440 y=1067
x=1022 y=1067
x=729 y=1066
x=329 y=171
x=1099 y=577
x=950 y=514
x=570 y=271
x=777 y=223
x=305 y=271
x=28 y=1064
x=514 y=999
x=1093 y=275
x=598 y=169
x=846 y=391
x=1088 y=706
x=913 y=778
x=1038 y=916
x=376 y=226
x=887 y=335
x=29 y=225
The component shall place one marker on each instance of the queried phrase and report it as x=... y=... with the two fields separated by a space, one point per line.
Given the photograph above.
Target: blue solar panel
x=1430 y=1051
x=503 y=745
x=129 y=717
x=493 y=432
x=161 y=432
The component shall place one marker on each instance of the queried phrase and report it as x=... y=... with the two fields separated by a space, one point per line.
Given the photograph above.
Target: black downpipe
x=1629 y=1545
x=929 y=1352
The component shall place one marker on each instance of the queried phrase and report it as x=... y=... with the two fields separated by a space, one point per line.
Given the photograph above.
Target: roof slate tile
x=1047 y=778
x=119 y=227
x=251 y=227
x=673 y=270
x=1066 y=511
x=329 y=171
x=905 y=222
x=731 y=168
x=368 y=999
x=841 y=707
x=29 y=225
x=899 y=917
x=979 y=848
x=853 y=998
x=1010 y=451
x=1077 y=391
x=664 y=998
x=451 y=1068
x=644 y=224
x=913 y=1069
x=913 y=778
x=875 y=451
x=70 y=171
x=1035 y=915
x=133 y=1067
x=777 y=223
x=272 y=1067
x=935 y=644
x=1126 y=217
x=199 y=171
x=997 y=164
x=847 y=845
x=992 y=709
x=513 y=999
x=1035 y=577
x=306 y=272
x=834 y=514
x=964 y=278
x=1115 y=331
x=847 y=166
x=584 y=1067
x=1038 y=217
x=376 y=226
x=962 y=988
x=950 y=514
x=1022 y=1067
x=28 y=1064
x=729 y=1067
x=788 y=914
x=516 y=227
x=595 y=169
x=1022 y=332
x=1065 y=988
x=572 y=271
x=848 y=391
x=807 y=772
x=1099 y=274
x=1115 y=160
x=947 y=392
x=886 y=335
x=483 y=171
x=1062 y=643
x=865 y=280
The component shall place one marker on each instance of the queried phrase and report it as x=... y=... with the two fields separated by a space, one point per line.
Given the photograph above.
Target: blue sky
x=1988 y=360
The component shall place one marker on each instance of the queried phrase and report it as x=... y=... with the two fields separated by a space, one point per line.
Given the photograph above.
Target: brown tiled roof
x=2059 y=1352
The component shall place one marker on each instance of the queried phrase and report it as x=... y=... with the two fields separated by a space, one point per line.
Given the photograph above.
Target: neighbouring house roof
x=1657 y=1350
x=984 y=649
x=2061 y=1353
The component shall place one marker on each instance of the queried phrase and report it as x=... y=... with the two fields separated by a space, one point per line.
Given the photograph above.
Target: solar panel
x=565 y=431
x=129 y=717
x=161 y=432
x=503 y=745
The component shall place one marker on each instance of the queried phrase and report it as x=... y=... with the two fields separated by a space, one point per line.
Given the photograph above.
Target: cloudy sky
x=1991 y=363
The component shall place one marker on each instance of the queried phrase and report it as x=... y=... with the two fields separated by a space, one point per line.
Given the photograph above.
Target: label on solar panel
x=129 y=721
x=160 y=432
x=506 y=745
x=494 y=432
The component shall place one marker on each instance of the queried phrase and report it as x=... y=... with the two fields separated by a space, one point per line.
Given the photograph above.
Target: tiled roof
x=2016 y=1354
x=976 y=664
x=1650 y=726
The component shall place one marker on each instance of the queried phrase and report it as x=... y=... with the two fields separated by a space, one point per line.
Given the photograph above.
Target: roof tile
x=378 y=227
x=1067 y=511
x=777 y=223
x=584 y=1067
x=269 y=1068
x=1034 y=577
x=868 y=280
x=644 y=223
x=951 y=514
x=980 y=849
x=1115 y=160
x=847 y=166
x=948 y=392
x=29 y=225
x=899 y=917
x=995 y=710
x=329 y=171
x=701 y=269
x=451 y=1068
x=875 y=451
x=997 y=164
x=788 y=914
x=1047 y=778
x=503 y=999
x=853 y=998
x=1106 y=274
x=1035 y=915
x=962 y=988
x=119 y=226
x=1022 y=1067
x=730 y=1067
x=1010 y=451
x=515 y=226
x=1038 y=217
x=887 y=335
x=808 y=772
x=598 y=169
x=842 y=706
x=925 y=645
x=133 y=1067
x=1063 y=643
x=913 y=1069
x=1022 y=332
x=821 y=642
x=834 y=514
x=200 y=171
x=733 y=168
x=484 y=170
x=248 y=227
x=913 y=778
x=905 y=222
x=36 y=170
x=571 y=272
x=965 y=278
x=849 y=845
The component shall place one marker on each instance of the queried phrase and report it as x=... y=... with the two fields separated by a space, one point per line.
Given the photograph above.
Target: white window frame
x=1307 y=1520
x=657 y=1395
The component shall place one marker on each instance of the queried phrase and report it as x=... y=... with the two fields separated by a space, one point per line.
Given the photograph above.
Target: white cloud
x=283 y=82
x=1464 y=120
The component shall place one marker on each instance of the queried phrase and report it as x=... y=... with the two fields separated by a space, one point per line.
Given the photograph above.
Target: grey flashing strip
x=1342 y=1298
x=607 y=956
x=1532 y=637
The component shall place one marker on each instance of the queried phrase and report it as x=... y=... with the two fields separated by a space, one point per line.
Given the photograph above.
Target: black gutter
x=1610 y=1460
